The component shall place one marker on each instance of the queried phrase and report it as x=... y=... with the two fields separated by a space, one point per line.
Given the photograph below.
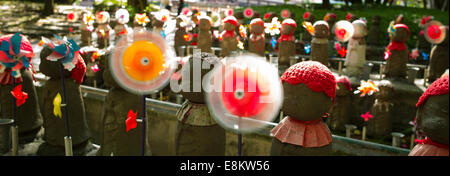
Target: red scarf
x=430 y=142
x=227 y=34
x=286 y=37
x=396 y=46
x=78 y=72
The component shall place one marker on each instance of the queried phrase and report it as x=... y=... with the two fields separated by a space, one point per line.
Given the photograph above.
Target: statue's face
x=179 y=20
x=384 y=92
x=204 y=24
x=256 y=29
x=287 y=29
x=196 y=92
x=302 y=103
x=360 y=30
x=432 y=118
x=341 y=90
x=321 y=31
x=400 y=35
x=229 y=27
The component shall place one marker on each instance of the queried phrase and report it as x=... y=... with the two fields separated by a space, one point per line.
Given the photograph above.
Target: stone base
x=84 y=149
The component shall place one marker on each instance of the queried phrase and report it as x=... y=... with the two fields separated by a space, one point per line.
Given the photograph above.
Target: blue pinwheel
x=273 y=42
x=425 y=56
x=15 y=54
x=65 y=50
x=307 y=48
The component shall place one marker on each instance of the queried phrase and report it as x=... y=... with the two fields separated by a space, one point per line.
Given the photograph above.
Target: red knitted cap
x=231 y=19
x=402 y=26
x=344 y=80
x=438 y=87
x=314 y=74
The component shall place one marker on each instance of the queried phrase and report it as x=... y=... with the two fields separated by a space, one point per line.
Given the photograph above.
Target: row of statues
x=301 y=132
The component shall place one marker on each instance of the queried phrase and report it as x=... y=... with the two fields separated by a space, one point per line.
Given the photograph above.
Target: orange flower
x=186 y=37
x=309 y=27
x=366 y=87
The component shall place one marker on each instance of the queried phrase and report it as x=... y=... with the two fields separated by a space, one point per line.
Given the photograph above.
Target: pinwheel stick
x=143 y=125
x=239 y=137
x=14 y=127
x=67 y=138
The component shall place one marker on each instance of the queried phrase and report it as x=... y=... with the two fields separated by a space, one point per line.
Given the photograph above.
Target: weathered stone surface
x=28 y=115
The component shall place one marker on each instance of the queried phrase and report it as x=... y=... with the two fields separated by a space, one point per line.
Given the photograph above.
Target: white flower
x=273 y=28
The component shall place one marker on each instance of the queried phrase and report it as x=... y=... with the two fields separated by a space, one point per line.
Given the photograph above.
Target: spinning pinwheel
x=142 y=64
x=245 y=94
x=434 y=32
x=343 y=30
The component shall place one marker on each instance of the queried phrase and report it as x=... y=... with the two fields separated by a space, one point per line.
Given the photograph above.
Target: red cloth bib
x=303 y=133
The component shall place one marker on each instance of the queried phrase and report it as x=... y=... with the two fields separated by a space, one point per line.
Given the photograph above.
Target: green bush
x=411 y=16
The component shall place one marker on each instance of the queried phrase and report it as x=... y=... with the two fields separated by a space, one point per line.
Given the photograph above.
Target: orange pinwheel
x=19 y=95
x=366 y=87
x=309 y=27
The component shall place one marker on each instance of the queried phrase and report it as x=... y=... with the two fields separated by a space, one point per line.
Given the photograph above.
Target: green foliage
x=411 y=16
x=112 y=5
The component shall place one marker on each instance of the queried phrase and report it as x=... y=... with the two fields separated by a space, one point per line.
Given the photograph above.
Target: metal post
x=411 y=144
x=67 y=138
x=14 y=127
x=340 y=68
x=68 y=145
x=364 y=130
x=239 y=137
x=349 y=129
x=381 y=71
x=396 y=137
x=143 y=125
x=15 y=140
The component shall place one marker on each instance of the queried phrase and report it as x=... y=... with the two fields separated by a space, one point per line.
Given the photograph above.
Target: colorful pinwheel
x=131 y=120
x=248 y=12
x=366 y=88
x=273 y=28
x=88 y=20
x=267 y=15
x=273 y=42
x=243 y=31
x=15 y=54
x=65 y=50
x=309 y=27
x=414 y=53
x=141 y=19
x=342 y=51
x=72 y=17
x=95 y=68
x=122 y=16
x=425 y=56
x=285 y=13
x=57 y=105
x=240 y=45
x=307 y=48
x=366 y=116
x=19 y=95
